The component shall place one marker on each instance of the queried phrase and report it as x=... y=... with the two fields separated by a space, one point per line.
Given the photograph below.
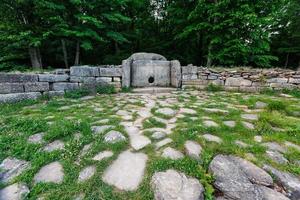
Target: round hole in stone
x=151 y=79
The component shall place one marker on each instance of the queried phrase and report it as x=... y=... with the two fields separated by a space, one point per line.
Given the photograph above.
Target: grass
x=63 y=118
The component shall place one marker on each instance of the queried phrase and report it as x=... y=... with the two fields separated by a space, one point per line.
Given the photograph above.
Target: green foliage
x=126 y=89
x=214 y=88
x=76 y=94
x=276 y=105
x=106 y=89
x=53 y=33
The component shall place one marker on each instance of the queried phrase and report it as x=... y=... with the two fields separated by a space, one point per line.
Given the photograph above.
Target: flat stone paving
x=130 y=132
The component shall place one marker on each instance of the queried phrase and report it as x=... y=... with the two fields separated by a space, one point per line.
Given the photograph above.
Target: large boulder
x=16 y=97
x=237 y=178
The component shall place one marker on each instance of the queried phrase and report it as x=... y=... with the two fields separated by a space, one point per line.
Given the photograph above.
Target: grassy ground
x=64 y=118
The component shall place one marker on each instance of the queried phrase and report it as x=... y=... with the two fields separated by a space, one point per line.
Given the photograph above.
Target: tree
x=234 y=32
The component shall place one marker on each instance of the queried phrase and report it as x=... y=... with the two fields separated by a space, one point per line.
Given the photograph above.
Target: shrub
x=276 y=105
x=214 y=88
x=294 y=92
x=76 y=94
x=106 y=89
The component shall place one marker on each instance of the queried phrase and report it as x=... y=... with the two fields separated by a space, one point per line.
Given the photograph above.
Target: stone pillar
x=126 y=74
x=175 y=74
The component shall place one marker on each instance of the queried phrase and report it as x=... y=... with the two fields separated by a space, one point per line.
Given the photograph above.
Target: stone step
x=151 y=90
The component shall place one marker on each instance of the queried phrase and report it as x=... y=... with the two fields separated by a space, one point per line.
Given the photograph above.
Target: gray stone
x=260 y=105
x=61 y=86
x=258 y=138
x=277 y=80
x=175 y=73
x=83 y=79
x=86 y=173
x=16 y=97
x=251 y=117
x=163 y=143
x=173 y=185
x=277 y=157
x=54 y=93
x=102 y=155
x=274 y=147
x=16 y=78
x=270 y=194
x=55 y=145
x=212 y=138
x=230 y=124
x=193 y=149
x=236 y=82
x=290 y=182
x=248 y=125
x=138 y=142
x=51 y=173
x=114 y=136
x=17 y=191
x=103 y=80
x=53 y=78
x=101 y=129
x=111 y=72
x=6 y=88
x=158 y=135
x=126 y=173
x=36 y=138
x=187 y=111
x=292 y=145
x=166 y=111
x=126 y=75
x=237 y=178
x=36 y=87
x=209 y=123
x=172 y=154
x=11 y=168
x=84 y=71
x=146 y=56
x=215 y=110
x=241 y=144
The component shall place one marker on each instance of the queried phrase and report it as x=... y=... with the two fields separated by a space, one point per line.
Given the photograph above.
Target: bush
x=106 y=89
x=276 y=105
x=214 y=88
x=294 y=92
x=76 y=94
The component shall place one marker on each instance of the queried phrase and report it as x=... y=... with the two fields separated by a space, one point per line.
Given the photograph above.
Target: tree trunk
x=209 y=59
x=63 y=44
x=286 y=60
x=35 y=57
x=77 y=54
x=117 y=49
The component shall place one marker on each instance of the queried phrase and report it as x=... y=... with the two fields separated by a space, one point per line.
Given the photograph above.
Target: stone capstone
x=84 y=71
x=53 y=78
x=174 y=185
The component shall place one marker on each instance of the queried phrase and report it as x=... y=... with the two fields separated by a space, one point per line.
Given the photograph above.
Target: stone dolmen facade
x=141 y=70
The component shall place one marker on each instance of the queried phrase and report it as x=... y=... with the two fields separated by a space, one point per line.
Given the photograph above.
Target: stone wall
x=16 y=87
x=243 y=79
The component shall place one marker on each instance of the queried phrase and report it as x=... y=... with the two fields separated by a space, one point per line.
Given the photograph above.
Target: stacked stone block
x=248 y=80
x=17 y=87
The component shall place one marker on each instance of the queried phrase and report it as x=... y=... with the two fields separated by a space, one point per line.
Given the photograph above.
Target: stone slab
x=126 y=173
x=36 y=87
x=16 y=97
x=6 y=88
x=84 y=71
x=61 y=86
x=16 y=78
x=53 y=78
